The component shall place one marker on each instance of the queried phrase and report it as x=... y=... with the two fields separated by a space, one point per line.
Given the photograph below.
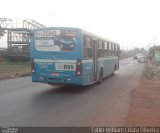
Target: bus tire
x=100 y=77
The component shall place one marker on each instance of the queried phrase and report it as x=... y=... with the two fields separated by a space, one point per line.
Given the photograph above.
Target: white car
x=139 y=55
x=142 y=59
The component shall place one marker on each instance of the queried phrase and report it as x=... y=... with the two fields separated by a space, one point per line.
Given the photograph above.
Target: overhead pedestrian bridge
x=18 y=36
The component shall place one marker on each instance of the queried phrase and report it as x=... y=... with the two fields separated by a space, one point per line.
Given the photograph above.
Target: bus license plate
x=64 y=66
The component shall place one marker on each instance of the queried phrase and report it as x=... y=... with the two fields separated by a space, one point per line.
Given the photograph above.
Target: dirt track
x=145 y=104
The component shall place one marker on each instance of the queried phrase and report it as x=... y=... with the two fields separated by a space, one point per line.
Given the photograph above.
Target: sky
x=131 y=23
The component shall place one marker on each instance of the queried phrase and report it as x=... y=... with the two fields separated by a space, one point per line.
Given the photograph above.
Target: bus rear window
x=55 y=40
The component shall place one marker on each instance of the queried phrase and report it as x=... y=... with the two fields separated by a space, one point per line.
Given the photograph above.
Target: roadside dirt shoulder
x=13 y=69
x=145 y=104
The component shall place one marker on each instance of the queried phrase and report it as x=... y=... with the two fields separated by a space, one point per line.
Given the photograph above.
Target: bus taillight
x=79 y=68
x=33 y=66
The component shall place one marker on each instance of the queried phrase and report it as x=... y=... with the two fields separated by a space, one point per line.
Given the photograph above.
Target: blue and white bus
x=64 y=55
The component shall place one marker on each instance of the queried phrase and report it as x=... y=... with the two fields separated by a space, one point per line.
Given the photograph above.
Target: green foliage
x=25 y=74
x=151 y=71
x=7 y=65
x=2 y=32
x=152 y=50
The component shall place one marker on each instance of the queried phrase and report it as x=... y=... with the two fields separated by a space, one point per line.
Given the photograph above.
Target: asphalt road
x=23 y=103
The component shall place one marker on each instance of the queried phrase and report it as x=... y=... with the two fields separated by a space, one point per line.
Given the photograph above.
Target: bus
x=67 y=55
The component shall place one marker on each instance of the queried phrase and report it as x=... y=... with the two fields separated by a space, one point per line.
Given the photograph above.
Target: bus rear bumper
x=57 y=80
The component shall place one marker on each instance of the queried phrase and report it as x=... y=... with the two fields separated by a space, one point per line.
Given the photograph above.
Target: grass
x=18 y=68
x=25 y=74
x=7 y=65
x=151 y=71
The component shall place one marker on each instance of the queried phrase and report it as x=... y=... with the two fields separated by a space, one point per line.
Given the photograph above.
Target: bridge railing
x=18 y=35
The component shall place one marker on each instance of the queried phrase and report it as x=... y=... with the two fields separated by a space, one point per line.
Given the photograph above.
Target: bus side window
x=110 y=49
x=105 y=49
x=87 y=47
x=100 y=48
x=104 y=46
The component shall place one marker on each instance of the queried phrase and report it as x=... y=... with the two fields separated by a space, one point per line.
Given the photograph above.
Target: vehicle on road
x=63 y=55
x=142 y=59
x=139 y=55
x=135 y=57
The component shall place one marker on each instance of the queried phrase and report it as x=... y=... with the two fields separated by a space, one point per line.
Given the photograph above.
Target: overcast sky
x=132 y=23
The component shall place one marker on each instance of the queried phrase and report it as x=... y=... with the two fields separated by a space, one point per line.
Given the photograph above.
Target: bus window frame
x=87 y=50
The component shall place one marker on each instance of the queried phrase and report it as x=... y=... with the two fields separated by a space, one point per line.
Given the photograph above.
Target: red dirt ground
x=10 y=74
x=145 y=104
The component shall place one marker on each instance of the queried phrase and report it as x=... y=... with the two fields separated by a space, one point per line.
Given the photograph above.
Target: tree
x=136 y=51
x=2 y=32
x=152 y=51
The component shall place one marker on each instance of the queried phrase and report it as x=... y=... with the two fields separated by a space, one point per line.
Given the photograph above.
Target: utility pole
x=148 y=46
x=154 y=42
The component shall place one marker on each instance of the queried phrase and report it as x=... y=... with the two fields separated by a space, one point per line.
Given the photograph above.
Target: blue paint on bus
x=61 y=55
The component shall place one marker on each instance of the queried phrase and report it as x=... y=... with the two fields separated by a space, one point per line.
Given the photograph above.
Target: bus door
x=95 y=58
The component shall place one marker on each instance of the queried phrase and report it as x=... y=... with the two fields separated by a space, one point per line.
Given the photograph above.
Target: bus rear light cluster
x=78 y=73
x=33 y=66
x=33 y=71
x=79 y=68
